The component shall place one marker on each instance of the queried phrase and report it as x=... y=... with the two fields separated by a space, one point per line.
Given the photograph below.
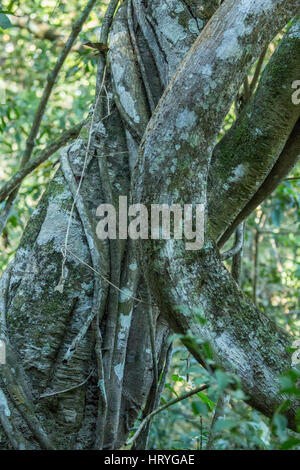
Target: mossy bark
x=59 y=397
x=266 y=122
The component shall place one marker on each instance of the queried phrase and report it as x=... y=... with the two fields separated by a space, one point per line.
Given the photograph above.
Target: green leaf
x=199 y=408
x=196 y=408
x=290 y=443
x=176 y=378
x=206 y=400
x=13 y=221
x=4 y=21
x=171 y=388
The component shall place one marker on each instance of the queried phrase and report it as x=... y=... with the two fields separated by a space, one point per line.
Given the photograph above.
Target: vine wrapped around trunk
x=86 y=321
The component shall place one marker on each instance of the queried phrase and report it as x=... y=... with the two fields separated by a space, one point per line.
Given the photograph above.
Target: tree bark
x=80 y=367
x=242 y=338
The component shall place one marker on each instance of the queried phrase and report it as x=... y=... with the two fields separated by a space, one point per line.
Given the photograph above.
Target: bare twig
x=257 y=240
x=292 y=178
x=58 y=392
x=99 y=290
x=238 y=244
x=236 y=265
x=155 y=393
x=39 y=159
x=114 y=245
x=102 y=402
x=106 y=23
x=257 y=71
x=38 y=29
x=44 y=31
x=104 y=278
x=219 y=410
x=247 y=93
x=279 y=232
x=138 y=57
x=152 y=342
x=51 y=79
x=162 y=408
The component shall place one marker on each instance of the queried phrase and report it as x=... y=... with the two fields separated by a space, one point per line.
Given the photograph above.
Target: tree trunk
x=75 y=309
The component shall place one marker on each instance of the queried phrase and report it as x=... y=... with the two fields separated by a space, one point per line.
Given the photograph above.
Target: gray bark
x=265 y=124
x=242 y=338
x=103 y=367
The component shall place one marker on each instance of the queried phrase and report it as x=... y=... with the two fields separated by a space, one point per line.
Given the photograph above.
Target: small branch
x=152 y=342
x=162 y=408
x=257 y=240
x=168 y=361
x=138 y=56
x=76 y=190
x=280 y=232
x=238 y=244
x=284 y=164
x=236 y=265
x=58 y=392
x=105 y=27
x=292 y=178
x=43 y=31
x=248 y=89
x=40 y=158
x=218 y=412
x=99 y=291
x=246 y=93
x=258 y=70
x=38 y=29
x=106 y=187
x=115 y=254
x=256 y=265
x=154 y=395
x=51 y=79
x=104 y=278
x=102 y=402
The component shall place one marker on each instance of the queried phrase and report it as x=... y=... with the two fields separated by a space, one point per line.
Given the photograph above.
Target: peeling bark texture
x=80 y=365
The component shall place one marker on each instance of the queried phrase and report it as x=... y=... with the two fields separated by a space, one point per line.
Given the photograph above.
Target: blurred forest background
x=29 y=47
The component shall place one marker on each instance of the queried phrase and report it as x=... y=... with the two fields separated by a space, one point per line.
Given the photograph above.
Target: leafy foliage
x=26 y=58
